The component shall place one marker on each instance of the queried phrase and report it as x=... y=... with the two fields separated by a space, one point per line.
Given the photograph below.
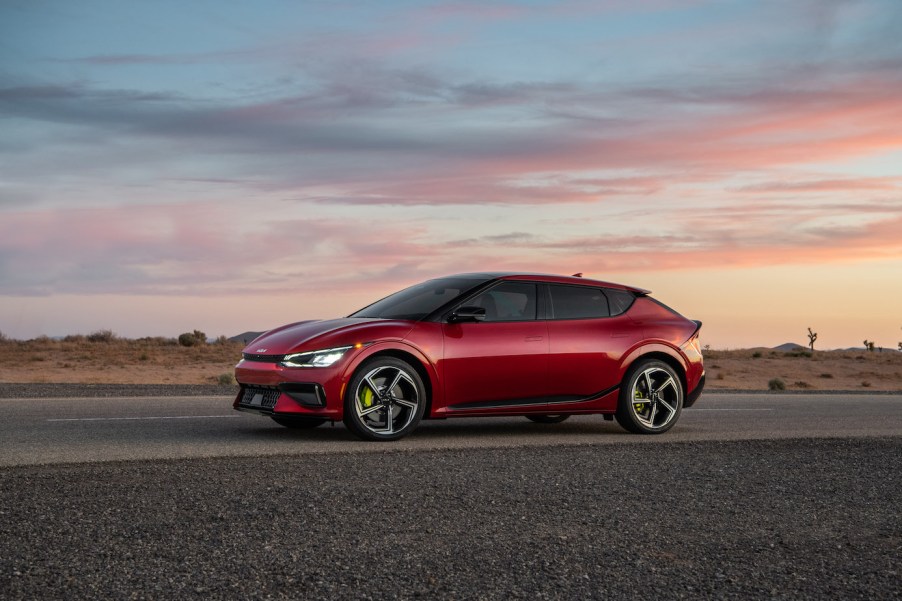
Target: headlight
x=323 y=358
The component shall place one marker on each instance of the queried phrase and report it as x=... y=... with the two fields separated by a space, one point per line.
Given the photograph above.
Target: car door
x=586 y=343
x=502 y=360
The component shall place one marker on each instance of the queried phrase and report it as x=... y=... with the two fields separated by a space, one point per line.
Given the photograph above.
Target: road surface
x=45 y=431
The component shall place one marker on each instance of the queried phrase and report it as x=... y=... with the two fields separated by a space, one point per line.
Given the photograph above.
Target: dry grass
x=162 y=361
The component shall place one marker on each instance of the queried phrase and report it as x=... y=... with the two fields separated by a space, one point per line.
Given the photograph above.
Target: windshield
x=420 y=300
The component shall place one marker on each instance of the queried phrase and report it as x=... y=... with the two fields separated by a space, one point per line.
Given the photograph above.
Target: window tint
x=508 y=301
x=418 y=301
x=577 y=302
x=620 y=300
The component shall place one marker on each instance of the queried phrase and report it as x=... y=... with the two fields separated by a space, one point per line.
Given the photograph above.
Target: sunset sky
x=166 y=166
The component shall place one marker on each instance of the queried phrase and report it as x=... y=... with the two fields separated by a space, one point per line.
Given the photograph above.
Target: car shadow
x=475 y=429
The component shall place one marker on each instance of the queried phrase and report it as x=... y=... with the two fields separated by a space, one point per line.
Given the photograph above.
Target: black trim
x=307 y=394
x=513 y=403
x=266 y=397
x=262 y=358
x=693 y=396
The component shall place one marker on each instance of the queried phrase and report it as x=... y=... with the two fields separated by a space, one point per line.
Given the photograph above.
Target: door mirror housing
x=467 y=314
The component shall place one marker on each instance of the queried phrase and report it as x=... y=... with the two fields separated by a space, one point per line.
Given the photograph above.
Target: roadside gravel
x=789 y=519
x=50 y=391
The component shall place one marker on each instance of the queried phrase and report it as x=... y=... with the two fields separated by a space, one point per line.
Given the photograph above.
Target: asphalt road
x=42 y=431
x=748 y=497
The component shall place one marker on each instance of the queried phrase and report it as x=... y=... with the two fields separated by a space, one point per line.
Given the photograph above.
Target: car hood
x=326 y=333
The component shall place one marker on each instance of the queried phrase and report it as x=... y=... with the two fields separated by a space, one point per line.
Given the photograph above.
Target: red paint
x=541 y=365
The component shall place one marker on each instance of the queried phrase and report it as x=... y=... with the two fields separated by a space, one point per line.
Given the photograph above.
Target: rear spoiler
x=698 y=326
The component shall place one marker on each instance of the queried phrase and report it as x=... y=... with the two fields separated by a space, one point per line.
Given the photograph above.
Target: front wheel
x=651 y=398
x=385 y=400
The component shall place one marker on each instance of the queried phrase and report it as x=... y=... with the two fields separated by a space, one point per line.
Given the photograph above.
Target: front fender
x=395 y=348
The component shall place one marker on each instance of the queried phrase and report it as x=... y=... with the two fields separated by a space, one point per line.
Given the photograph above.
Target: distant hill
x=790 y=346
x=244 y=338
x=861 y=349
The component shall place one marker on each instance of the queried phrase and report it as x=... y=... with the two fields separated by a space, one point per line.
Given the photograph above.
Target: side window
x=577 y=302
x=620 y=300
x=508 y=301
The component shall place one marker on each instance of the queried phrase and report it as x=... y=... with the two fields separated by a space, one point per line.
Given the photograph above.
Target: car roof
x=550 y=278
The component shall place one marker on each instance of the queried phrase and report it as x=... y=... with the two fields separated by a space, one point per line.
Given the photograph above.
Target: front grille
x=259 y=397
x=263 y=358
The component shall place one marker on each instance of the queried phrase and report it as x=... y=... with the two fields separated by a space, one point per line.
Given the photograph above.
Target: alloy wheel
x=386 y=400
x=655 y=399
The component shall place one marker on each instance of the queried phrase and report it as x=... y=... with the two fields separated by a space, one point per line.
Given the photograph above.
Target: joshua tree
x=869 y=344
x=812 y=336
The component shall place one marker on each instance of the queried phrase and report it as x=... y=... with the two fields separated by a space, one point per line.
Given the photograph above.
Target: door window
x=577 y=302
x=508 y=301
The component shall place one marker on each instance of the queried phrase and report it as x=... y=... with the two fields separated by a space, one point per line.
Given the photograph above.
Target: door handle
x=533 y=339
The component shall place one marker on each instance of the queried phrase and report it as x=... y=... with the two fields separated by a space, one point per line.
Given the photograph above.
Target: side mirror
x=467 y=314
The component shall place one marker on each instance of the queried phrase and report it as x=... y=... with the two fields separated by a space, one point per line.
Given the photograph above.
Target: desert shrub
x=75 y=338
x=195 y=338
x=143 y=357
x=866 y=384
x=101 y=336
x=222 y=339
x=225 y=379
x=719 y=376
x=826 y=375
x=3 y=337
x=158 y=341
x=756 y=355
x=776 y=384
x=802 y=384
x=797 y=354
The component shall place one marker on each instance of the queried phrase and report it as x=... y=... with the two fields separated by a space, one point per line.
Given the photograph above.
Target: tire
x=547 y=419
x=655 y=413
x=298 y=422
x=385 y=400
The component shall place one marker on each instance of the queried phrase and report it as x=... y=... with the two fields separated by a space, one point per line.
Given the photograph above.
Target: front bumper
x=271 y=389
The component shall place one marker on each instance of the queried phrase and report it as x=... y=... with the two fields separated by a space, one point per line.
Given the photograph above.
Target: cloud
x=391 y=122
x=822 y=185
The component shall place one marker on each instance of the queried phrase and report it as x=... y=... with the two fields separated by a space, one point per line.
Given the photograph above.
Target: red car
x=480 y=344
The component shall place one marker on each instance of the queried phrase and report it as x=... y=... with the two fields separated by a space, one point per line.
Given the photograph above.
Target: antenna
x=577 y=275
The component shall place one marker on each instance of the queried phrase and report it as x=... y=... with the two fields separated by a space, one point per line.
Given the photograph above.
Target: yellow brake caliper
x=639 y=407
x=366 y=397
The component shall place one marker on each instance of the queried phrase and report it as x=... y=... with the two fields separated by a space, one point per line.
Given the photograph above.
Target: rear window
x=620 y=300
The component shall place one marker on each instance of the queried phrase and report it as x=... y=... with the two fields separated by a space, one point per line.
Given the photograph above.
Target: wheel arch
x=417 y=363
x=661 y=353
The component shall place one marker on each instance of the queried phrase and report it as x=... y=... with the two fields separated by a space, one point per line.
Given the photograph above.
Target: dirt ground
x=119 y=361
x=163 y=361
x=753 y=369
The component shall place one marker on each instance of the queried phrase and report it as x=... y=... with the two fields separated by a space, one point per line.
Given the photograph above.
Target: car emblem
x=261 y=350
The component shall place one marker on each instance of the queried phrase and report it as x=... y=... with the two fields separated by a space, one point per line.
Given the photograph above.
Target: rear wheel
x=651 y=398
x=547 y=419
x=385 y=400
x=298 y=422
